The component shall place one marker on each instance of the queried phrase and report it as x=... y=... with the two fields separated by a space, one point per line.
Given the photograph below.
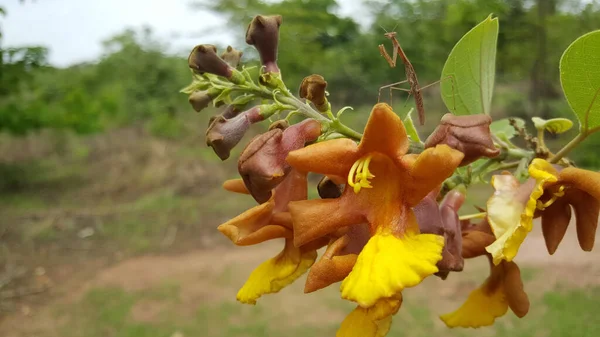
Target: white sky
x=74 y=29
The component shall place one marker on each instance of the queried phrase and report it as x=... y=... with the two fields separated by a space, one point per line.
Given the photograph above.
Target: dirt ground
x=213 y=275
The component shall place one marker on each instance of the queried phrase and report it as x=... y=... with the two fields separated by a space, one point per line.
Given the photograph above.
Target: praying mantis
x=411 y=75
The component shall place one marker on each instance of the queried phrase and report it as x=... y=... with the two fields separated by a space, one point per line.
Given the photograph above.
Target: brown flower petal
x=263 y=34
x=338 y=260
x=555 y=220
x=204 y=59
x=469 y=134
x=475 y=238
x=262 y=164
x=513 y=287
x=232 y=56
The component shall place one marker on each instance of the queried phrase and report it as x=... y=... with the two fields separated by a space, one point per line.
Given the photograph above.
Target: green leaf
x=468 y=75
x=411 y=131
x=503 y=129
x=580 y=79
x=554 y=125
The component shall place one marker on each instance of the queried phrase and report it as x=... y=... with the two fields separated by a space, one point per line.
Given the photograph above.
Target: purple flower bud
x=204 y=59
x=224 y=134
x=263 y=34
x=232 y=56
x=468 y=134
x=262 y=164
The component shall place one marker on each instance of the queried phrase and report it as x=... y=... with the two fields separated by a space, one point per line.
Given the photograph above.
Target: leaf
x=580 y=79
x=468 y=75
x=503 y=129
x=554 y=125
x=409 y=125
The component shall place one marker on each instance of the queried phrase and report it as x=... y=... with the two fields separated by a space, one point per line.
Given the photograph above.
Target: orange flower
x=267 y=221
x=503 y=289
x=384 y=183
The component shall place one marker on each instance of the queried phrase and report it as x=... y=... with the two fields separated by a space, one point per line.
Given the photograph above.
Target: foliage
x=471 y=63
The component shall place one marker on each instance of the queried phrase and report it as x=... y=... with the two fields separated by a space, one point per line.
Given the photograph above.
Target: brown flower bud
x=328 y=189
x=313 y=89
x=204 y=59
x=232 y=56
x=443 y=220
x=263 y=34
x=201 y=99
x=262 y=164
x=468 y=134
x=224 y=134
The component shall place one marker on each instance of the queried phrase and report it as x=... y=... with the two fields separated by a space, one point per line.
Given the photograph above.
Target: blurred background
x=109 y=197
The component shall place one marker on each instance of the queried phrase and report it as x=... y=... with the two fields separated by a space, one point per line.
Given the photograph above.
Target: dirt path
x=207 y=276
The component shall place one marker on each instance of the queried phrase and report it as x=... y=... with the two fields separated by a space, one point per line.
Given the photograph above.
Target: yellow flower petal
x=276 y=273
x=509 y=218
x=388 y=264
x=371 y=322
x=481 y=308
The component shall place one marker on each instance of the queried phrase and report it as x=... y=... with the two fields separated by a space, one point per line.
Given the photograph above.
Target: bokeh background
x=109 y=197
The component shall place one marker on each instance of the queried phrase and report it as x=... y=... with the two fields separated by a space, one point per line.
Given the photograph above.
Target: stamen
x=543 y=205
x=359 y=174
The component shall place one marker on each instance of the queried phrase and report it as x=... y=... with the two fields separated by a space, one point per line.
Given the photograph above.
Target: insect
x=411 y=75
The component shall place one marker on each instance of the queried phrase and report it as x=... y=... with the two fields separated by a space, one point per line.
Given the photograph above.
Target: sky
x=74 y=29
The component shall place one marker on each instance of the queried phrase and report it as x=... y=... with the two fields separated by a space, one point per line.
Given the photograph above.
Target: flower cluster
x=387 y=216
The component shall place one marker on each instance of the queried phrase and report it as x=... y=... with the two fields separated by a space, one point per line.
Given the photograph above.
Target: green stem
x=519 y=153
x=567 y=148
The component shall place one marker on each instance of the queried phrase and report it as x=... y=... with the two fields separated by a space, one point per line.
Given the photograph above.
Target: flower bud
x=262 y=164
x=201 y=99
x=204 y=59
x=313 y=89
x=263 y=34
x=232 y=56
x=468 y=134
x=224 y=134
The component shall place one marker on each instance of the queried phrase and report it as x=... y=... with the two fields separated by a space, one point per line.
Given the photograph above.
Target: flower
x=313 y=89
x=384 y=183
x=468 y=134
x=263 y=34
x=224 y=134
x=550 y=193
x=443 y=220
x=503 y=289
x=262 y=164
x=511 y=209
x=576 y=188
x=268 y=221
x=232 y=56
